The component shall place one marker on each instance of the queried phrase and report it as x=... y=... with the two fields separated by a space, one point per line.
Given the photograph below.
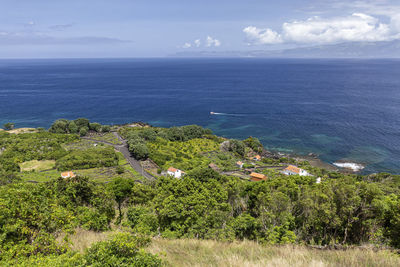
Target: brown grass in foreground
x=83 y=239
x=193 y=253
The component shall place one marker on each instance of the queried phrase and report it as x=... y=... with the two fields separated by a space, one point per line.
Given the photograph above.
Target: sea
x=343 y=110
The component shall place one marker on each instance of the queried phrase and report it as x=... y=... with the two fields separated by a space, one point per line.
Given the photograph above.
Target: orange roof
x=293 y=169
x=257 y=156
x=172 y=169
x=239 y=163
x=258 y=175
x=67 y=174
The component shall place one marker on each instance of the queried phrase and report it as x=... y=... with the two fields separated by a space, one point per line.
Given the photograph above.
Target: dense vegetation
x=344 y=209
x=79 y=126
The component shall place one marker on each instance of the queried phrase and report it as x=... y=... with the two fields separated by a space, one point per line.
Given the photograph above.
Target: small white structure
x=69 y=174
x=239 y=164
x=318 y=181
x=175 y=172
x=293 y=170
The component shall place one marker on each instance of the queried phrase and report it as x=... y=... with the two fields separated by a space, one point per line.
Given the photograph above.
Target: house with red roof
x=255 y=177
x=293 y=170
x=175 y=172
x=68 y=174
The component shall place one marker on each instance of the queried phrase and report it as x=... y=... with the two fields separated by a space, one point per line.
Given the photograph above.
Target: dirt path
x=124 y=150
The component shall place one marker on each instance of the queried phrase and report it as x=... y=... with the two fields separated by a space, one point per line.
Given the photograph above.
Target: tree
x=95 y=126
x=72 y=127
x=254 y=144
x=82 y=122
x=237 y=147
x=105 y=128
x=204 y=174
x=139 y=151
x=83 y=131
x=9 y=126
x=59 y=126
x=121 y=189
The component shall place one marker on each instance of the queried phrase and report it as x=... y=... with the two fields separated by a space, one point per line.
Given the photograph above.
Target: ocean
x=339 y=109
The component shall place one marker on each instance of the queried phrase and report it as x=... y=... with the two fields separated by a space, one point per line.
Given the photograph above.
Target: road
x=123 y=148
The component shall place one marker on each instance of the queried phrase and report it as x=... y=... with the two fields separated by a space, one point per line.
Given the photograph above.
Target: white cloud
x=354 y=28
x=212 y=42
x=209 y=42
x=262 y=36
x=187 y=45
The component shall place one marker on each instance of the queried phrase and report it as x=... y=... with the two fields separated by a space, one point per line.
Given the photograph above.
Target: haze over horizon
x=122 y=28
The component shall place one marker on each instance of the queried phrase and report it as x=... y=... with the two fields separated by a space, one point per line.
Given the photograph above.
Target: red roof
x=258 y=176
x=172 y=169
x=68 y=174
x=293 y=169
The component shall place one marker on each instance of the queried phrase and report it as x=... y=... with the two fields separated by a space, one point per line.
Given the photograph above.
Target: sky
x=158 y=28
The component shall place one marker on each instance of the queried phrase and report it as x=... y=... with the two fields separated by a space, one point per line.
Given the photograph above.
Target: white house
x=175 y=172
x=68 y=174
x=293 y=170
x=239 y=164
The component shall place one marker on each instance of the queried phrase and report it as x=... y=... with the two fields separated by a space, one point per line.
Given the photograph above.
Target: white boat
x=212 y=113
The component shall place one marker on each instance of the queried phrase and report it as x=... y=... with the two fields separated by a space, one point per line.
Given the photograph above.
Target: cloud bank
x=358 y=27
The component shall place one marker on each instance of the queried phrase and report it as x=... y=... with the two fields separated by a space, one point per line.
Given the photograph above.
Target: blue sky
x=156 y=28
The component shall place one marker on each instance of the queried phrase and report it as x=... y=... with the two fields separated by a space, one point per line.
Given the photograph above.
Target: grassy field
x=108 y=137
x=195 y=253
x=37 y=165
x=182 y=155
x=103 y=174
x=39 y=176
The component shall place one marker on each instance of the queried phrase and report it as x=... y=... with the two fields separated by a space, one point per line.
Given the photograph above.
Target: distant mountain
x=390 y=49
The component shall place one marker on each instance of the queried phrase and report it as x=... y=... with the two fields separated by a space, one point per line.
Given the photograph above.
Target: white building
x=293 y=170
x=175 y=172
x=239 y=164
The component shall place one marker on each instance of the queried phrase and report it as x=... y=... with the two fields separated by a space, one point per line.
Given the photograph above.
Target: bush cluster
x=79 y=126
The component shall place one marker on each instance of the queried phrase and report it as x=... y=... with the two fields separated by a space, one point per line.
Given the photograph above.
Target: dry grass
x=195 y=253
x=83 y=239
x=37 y=165
x=22 y=130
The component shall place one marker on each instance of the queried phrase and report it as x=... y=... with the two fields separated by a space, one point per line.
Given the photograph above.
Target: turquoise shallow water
x=339 y=109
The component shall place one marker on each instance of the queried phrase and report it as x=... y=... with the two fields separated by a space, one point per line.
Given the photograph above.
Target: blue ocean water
x=339 y=109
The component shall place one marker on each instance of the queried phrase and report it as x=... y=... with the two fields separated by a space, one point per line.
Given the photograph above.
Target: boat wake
x=234 y=114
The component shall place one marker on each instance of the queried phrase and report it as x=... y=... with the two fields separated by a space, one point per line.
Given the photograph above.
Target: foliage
x=343 y=209
x=8 y=126
x=183 y=155
x=254 y=144
x=139 y=150
x=121 y=190
x=237 y=147
x=90 y=158
x=122 y=250
x=32 y=215
x=80 y=125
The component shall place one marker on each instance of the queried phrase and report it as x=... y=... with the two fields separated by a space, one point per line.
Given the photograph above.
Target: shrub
x=120 y=170
x=105 y=128
x=95 y=126
x=139 y=151
x=122 y=250
x=83 y=131
x=8 y=126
